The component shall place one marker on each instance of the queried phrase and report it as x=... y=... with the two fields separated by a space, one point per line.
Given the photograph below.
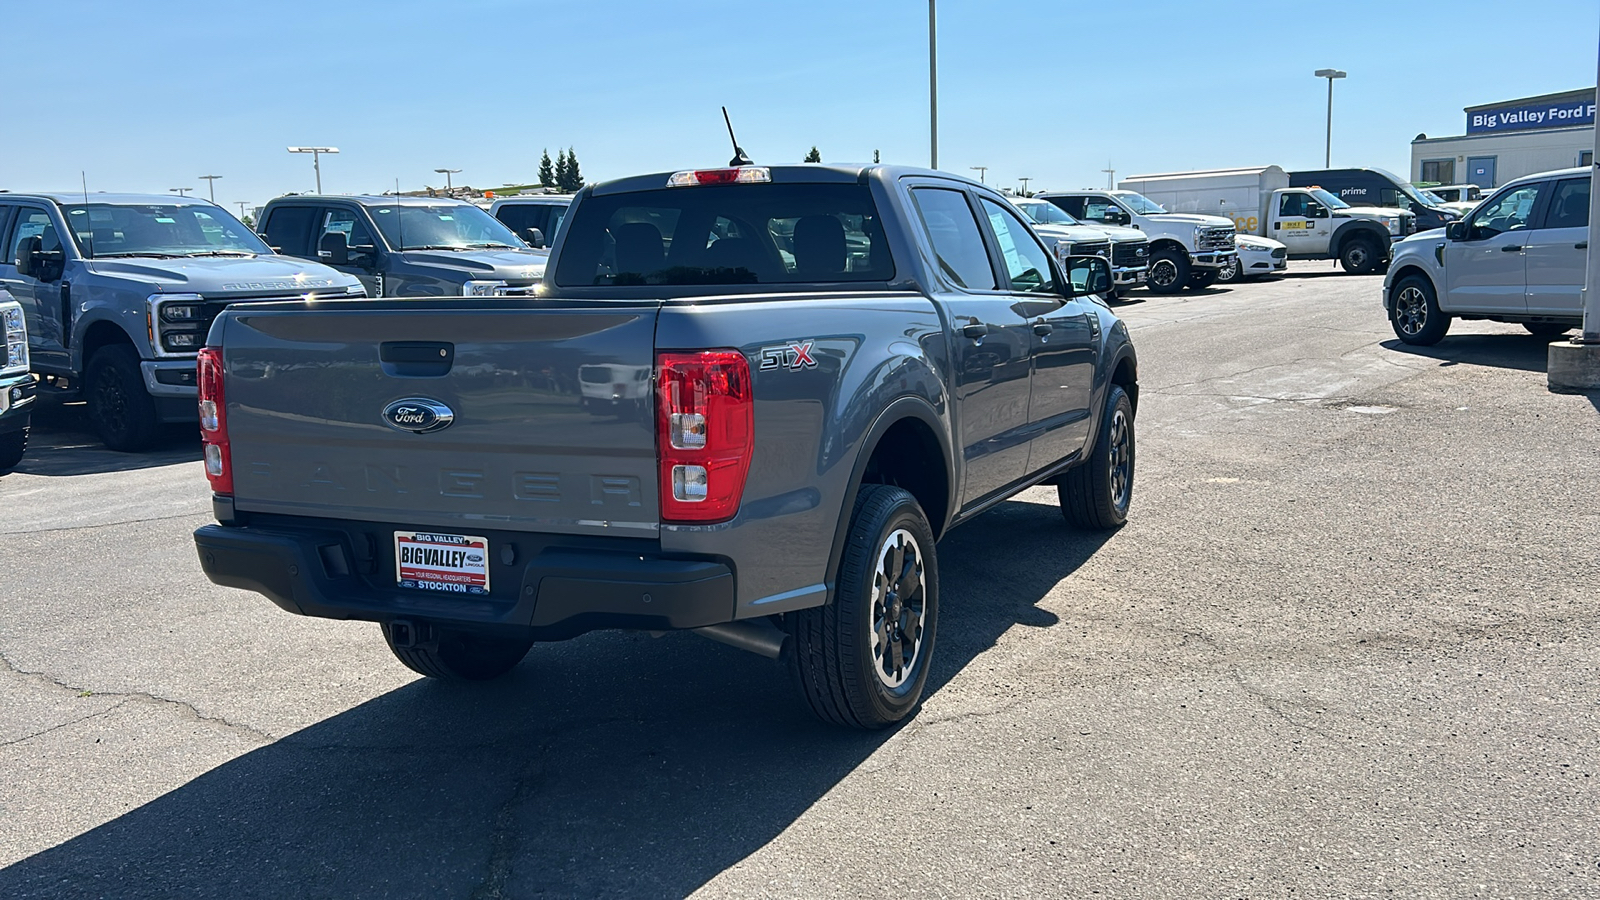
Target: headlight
x=16 y=338
x=482 y=288
x=178 y=323
x=1392 y=223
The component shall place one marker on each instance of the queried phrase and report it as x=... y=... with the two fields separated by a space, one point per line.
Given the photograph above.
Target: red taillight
x=214 y=421
x=705 y=432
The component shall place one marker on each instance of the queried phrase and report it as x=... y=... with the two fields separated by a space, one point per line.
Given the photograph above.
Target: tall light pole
x=181 y=192
x=980 y=170
x=1330 y=74
x=242 y=205
x=1025 y=179
x=1110 y=175
x=933 y=90
x=211 y=182
x=448 y=190
x=316 y=159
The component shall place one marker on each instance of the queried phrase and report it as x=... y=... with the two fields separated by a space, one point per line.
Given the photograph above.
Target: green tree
x=547 y=171
x=562 y=170
x=814 y=155
x=574 y=180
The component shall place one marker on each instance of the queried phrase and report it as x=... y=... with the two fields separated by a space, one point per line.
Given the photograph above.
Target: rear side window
x=289 y=229
x=726 y=234
x=956 y=240
x=1569 y=205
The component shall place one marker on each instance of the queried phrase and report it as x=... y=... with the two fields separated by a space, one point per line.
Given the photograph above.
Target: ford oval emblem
x=418 y=414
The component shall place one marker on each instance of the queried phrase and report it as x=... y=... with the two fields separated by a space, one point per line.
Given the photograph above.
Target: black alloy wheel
x=1414 y=312
x=120 y=409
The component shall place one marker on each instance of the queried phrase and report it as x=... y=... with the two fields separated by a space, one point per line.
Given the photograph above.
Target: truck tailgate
x=528 y=447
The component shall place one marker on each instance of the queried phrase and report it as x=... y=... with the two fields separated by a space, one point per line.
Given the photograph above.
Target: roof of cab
x=799 y=173
x=68 y=198
x=372 y=199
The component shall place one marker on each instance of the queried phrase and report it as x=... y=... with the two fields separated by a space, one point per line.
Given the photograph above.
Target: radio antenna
x=739 y=159
x=88 y=217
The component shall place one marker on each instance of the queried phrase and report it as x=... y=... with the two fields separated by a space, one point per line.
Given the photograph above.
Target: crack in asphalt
x=44 y=731
x=104 y=524
x=188 y=709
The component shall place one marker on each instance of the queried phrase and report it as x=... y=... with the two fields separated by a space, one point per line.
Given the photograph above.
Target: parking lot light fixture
x=181 y=192
x=211 y=182
x=449 y=191
x=1327 y=150
x=316 y=159
x=980 y=170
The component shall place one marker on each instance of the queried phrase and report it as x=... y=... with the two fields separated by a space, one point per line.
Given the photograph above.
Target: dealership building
x=1509 y=140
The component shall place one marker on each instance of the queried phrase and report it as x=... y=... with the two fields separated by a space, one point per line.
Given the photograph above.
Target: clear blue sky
x=146 y=96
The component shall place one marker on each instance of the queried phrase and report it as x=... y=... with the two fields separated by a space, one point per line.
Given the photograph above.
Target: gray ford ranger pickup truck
x=118 y=291
x=846 y=363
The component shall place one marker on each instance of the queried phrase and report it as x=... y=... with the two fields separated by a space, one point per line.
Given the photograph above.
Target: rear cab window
x=784 y=233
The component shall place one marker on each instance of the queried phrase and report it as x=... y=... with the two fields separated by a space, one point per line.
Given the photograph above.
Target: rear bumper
x=16 y=402
x=550 y=589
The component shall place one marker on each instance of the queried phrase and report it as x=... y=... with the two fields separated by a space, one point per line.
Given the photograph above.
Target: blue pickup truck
x=845 y=363
x=118 y=291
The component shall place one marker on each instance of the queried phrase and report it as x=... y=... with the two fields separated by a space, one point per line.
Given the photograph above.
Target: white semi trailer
x=1311 y=222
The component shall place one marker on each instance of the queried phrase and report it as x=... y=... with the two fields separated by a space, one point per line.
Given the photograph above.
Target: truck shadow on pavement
x=62 y=443
x=1502 y=351
x=612 y=765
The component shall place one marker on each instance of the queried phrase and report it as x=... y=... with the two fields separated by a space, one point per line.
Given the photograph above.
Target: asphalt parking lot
x=1347 y=646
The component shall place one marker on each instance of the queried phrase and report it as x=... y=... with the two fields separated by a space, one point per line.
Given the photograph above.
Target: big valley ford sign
x=1538 y=115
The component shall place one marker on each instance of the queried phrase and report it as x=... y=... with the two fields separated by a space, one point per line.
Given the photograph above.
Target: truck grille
x=1092 y=248
x=1219 y=238
x=180 y=326
x=1130 y=253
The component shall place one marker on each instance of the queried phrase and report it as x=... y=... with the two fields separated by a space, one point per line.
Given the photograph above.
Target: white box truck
x=1311 y=222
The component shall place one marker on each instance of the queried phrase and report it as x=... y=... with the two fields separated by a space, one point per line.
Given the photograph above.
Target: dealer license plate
x=456 y=563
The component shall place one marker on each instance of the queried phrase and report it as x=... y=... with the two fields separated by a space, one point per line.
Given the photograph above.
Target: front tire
x=455 y=655
x=1096 y=493
x=1169 y=271
x=1230 y=273
x=863 y=659
x=120 y=409
x=13 y=446
x=1359 y=257
x=1414 y=312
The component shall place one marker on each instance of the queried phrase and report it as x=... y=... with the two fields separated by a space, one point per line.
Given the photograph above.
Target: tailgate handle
x=417 y=359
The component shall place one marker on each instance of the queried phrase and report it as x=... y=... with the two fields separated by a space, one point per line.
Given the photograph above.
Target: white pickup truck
x=1185 y=250
x=1311 y=222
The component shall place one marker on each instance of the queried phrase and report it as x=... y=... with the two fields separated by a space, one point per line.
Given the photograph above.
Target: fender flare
x=908 y=406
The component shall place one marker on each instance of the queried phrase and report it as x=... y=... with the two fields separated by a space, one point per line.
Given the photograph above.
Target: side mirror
x=1316 y=212
x=1114 y=216
x=28 y=256
x=534 y=237
x=1456 y=231
x=334 y=249
x=1088 y=275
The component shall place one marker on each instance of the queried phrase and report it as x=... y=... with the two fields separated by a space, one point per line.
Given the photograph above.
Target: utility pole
x=181 y=192
x=980 y=170
x=1110 y=174
x=316 y=159
x=1330 y=74
x=211 y=182
x=448 y=190
x=933 y=90
x=1574 y=365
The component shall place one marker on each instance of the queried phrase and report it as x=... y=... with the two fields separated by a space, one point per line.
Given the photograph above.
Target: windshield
x=444 y=227
x=160 y=230
x=1328 y=200
x=725 y=234
x=1409 y=191
x=1433 y=198
x=1140 y=204
x=1041 y=213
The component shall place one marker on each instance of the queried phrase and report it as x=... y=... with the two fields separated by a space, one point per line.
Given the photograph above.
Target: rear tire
x=1359 y=256
x=13 y=445
x=862 y=660
x=1414 y=312
x=1547 y=331
x=120 y=409
x=458 y=656
x=1096 y=494
x=1169 y=271
x=1200 y=279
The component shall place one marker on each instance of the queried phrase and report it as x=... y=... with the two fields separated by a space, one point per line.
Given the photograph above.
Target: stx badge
x=794 y=357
